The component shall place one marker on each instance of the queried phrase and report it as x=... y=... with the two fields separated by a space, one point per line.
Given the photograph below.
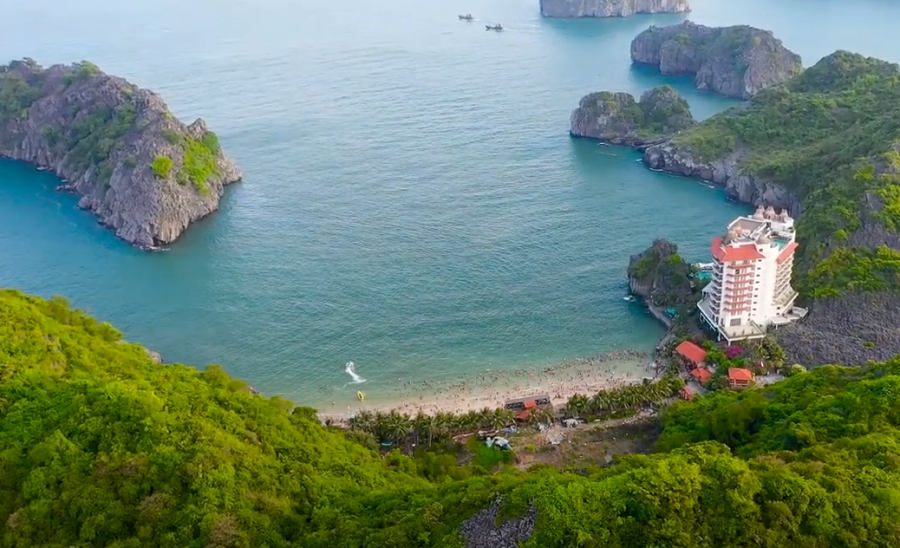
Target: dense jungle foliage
x=830 y=135
x=100 y=446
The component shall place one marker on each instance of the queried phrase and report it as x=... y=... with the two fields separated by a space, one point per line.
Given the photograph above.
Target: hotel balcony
x=786 y=297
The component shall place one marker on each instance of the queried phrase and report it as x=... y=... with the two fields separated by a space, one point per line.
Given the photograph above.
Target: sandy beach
x=492 y=388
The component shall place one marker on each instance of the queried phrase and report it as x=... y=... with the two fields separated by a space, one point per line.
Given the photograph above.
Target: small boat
x=498 y=27
x=466 y=17
x=629 y=298
x=361 y=396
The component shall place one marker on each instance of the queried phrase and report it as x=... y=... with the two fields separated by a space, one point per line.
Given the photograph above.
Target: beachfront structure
x=739 y=377
x=692 y=353
x=523 y=406
x=750 y=287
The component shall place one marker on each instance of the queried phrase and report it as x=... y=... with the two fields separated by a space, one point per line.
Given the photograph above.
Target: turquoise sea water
x=411 y=202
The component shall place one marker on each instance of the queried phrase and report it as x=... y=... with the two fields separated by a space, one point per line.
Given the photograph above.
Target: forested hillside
x=100 y=446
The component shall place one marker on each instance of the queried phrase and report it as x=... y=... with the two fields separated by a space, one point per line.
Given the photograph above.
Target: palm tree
x=398 y=427
x=500 y=418
x=577 y=405
x=422 y=426
x=364 y=421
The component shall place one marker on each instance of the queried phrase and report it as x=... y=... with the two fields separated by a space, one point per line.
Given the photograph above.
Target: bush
x=161 y=166
x=200 y=161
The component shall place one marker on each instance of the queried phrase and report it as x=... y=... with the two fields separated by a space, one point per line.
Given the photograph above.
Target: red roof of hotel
x=787 y=252
x=740 y=374
x=702 y=374
x=691 y=351
x=732 y=253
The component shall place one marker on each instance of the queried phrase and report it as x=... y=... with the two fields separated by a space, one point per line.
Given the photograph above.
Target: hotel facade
x=750 y=284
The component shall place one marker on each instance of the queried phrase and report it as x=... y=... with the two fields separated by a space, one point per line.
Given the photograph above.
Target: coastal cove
x=403 y=207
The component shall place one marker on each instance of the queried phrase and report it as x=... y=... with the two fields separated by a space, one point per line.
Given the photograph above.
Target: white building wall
x=764 y=288
x=766 y=268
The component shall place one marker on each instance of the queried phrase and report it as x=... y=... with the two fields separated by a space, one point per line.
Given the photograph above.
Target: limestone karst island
x=765 y=414
x=142 y=172
x=610 y=8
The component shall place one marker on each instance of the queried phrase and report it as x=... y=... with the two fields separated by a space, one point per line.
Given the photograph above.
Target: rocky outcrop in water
x=738 y=61
x=610 y=8
x=661 y=277
x=482 y=530
x=739 y=186
x=135 y=166
x=618 y=119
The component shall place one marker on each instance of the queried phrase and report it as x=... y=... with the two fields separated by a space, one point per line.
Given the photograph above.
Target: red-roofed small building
x=750 y=287
x=702 y=374
x=739 y=377
x=691 y=352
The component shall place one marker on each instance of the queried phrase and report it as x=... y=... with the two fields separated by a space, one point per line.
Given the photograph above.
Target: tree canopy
x=101 y=446
x=831 y=135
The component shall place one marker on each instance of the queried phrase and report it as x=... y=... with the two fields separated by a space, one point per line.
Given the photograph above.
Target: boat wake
x=350 y=369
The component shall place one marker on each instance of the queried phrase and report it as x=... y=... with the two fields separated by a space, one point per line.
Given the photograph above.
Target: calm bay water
x=411 y=201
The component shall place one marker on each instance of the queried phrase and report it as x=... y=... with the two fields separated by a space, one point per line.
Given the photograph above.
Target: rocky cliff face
x=737 y=61
x=670 y=157
x=618 y=119
x=137 y=168
x=610 y=8
x=661 y=277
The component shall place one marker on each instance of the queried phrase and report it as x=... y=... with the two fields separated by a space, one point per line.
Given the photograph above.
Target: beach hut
x=702 y=374
x=691 y=353
x=525 y=413
x=738 y=377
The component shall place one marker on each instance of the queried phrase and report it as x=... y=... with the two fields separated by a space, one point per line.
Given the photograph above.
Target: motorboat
x=629 y=298
x=466 y=17
x=498 y=27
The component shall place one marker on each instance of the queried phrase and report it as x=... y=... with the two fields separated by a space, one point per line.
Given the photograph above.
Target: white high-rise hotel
x=750 y=289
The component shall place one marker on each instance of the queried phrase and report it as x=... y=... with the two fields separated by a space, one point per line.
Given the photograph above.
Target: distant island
x=823 y=146
x=737 y=61
x=609 y=8
x=142 y=172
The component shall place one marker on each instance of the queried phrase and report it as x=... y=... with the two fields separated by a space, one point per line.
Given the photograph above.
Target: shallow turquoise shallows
x=412 y=201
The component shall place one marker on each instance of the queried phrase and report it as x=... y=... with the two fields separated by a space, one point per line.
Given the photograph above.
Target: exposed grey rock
x=739 y=186
x=847 y=330
x=154 y=356
x=100 y=135
x=482 y=531
x=618 y=119
x=738 y=61
x=610 y=8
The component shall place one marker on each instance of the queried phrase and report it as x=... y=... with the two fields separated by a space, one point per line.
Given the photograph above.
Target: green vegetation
x=624 y=400
x=829 y=135
x=103 y=447
x=161 y=166
x=660 y=111
x=199 y=163
x=83 y=71
x=16 y=96
x=93 y=138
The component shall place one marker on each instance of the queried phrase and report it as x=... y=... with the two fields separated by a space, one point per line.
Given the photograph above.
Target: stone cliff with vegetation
x=134 y=165
x=738 y=61
x=617 y=118
x=825 y=145
x=102 y=447
x=610 y=8
x=661 y=277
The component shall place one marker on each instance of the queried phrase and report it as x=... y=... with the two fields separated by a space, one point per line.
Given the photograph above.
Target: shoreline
x=492 y=389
